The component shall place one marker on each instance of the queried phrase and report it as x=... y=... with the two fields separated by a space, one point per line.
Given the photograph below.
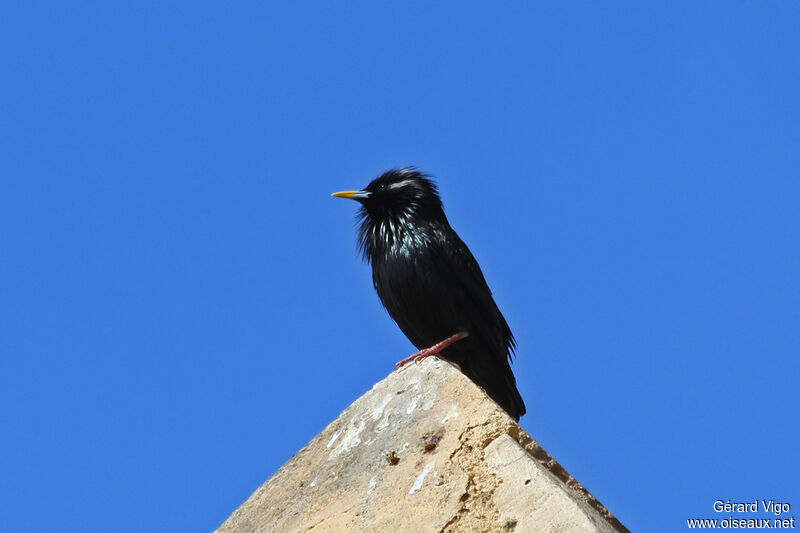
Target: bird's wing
x=474 y=296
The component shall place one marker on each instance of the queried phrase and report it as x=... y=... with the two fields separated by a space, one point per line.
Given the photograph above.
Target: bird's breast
x=414 y=287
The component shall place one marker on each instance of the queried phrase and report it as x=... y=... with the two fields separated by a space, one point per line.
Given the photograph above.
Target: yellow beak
x=351 y=195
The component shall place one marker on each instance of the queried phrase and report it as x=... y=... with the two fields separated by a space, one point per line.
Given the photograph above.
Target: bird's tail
x=492 y=372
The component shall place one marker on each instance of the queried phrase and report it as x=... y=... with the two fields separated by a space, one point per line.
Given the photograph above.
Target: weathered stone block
x=424 y=450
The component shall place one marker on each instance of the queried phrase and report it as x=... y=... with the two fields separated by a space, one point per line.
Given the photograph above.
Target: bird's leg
x=433 y=350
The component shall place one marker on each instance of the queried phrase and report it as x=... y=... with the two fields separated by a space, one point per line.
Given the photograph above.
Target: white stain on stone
x=451 y=413
x=383 y=423
x=333 y=439
x=413 y=404
x=373 y=482
x=421 y=477
x=428 y=399
x=378 y=411
x=349 y=440
x=414 y=383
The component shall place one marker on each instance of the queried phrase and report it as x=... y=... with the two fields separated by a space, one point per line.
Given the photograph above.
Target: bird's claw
x=433 y=350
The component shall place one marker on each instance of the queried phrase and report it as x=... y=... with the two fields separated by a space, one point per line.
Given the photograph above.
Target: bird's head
x=399 y=193
x=397 y=208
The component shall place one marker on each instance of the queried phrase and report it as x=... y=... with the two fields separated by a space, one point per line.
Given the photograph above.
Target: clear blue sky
x=183 y=306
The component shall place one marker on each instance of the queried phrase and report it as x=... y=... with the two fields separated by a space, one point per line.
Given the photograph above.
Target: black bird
x=431 y=285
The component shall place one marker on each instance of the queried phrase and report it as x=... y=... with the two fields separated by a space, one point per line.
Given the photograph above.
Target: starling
x=431 y=285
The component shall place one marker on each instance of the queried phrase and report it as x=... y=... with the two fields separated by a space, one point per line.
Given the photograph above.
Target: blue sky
x=183 y=303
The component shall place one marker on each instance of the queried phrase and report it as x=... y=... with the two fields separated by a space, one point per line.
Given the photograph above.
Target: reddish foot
x=433 y=350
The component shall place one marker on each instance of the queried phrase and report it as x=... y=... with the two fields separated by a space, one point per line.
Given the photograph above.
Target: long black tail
x=501 y=386
x=490 y=371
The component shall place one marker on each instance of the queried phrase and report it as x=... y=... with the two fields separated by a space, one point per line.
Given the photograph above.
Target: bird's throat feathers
x=401 y=212
x=390 y=234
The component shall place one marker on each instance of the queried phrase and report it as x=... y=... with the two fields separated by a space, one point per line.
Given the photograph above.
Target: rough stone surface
x=424 y=450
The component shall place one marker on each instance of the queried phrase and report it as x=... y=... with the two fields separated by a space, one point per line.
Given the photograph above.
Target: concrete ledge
x=424 y=450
